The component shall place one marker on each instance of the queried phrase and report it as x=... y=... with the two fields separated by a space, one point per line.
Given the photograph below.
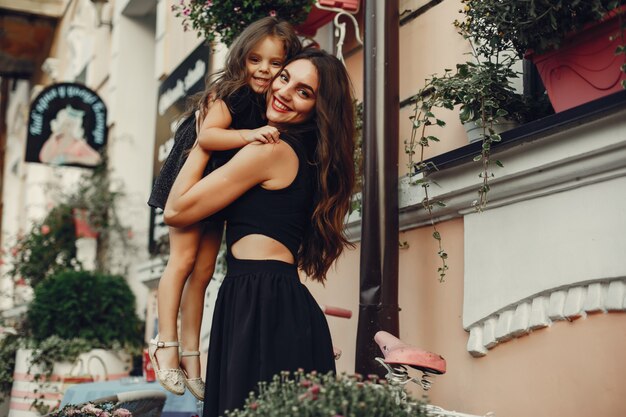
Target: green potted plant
x=76 y=316
x=225 y=20
x=577 y=46
x=482 y=90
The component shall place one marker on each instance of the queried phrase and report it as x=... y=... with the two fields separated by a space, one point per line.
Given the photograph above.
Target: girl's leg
x=192 y=303
x=183 y=249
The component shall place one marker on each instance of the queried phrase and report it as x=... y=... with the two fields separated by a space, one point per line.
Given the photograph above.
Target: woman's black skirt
x=265 y=321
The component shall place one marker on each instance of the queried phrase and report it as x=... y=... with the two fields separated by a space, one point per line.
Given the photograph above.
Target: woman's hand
x=265 y=134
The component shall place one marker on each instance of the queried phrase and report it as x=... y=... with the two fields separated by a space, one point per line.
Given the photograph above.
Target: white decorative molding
x=615 y=296
x=567 y=303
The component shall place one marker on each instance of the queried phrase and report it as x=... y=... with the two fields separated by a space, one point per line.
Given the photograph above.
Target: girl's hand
x=198 y=121
x=265 y=134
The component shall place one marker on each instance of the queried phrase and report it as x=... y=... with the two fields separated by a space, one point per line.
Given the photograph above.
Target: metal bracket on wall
x=340 y=27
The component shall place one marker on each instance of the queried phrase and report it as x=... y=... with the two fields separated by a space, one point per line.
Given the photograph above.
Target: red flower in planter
x=83 y=228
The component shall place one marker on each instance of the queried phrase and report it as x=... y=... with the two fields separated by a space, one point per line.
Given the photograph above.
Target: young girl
x=254 y=58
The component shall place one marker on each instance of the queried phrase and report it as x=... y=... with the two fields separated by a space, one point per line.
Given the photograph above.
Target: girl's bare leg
x=192 y=304
x=184 y=244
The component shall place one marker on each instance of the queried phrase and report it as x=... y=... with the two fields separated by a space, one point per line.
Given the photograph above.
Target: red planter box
x=318 y=17
x=584 y=68
x=81 y=223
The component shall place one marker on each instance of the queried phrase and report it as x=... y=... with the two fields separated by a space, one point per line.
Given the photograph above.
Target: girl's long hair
x=234 y=74
x=334 y=159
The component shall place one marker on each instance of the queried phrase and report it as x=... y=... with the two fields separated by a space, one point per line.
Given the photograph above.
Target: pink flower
x=91 y=409
x=253 y=406
x=209 y=3
x=273 y=13
x=122 y=412
x=187 y=12
x=71 y=411
x=45 y=229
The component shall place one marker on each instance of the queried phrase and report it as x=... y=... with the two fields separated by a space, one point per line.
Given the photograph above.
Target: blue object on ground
x=175 y=405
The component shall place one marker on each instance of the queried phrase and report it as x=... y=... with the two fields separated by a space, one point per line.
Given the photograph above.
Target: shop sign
x=67 y=126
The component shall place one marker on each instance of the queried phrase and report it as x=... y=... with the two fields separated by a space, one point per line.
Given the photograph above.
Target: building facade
x=530 y=316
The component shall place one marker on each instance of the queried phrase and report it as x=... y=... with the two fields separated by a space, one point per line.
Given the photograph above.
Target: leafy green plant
x=538 y=25
x=313 y=395
x=99 y=197
x=79 y=304
x=54 y=349
x=49 y=248
x=358 y=157
x=9 y=343
x=482 y=90
x=227 y=19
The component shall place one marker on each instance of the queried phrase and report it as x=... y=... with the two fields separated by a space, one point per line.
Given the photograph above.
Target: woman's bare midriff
x=257 y=247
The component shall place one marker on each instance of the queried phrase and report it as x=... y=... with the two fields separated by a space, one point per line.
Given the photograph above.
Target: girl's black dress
x=247 y=111
x=265 y=319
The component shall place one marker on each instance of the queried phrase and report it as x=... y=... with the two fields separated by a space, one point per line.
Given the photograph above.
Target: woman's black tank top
x=284 y=214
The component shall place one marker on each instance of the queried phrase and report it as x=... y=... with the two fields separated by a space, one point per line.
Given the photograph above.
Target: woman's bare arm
x=193 y=198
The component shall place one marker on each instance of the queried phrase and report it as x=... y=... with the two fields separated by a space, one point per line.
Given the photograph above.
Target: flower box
x=585 y=67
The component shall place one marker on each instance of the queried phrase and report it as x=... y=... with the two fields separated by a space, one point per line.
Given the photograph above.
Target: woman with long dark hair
x=287 y=202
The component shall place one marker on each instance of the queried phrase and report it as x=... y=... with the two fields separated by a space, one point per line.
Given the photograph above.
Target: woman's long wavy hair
x=334 y=159
x=234 y=74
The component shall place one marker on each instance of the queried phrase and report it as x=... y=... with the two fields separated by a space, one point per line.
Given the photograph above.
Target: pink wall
x=573 y=369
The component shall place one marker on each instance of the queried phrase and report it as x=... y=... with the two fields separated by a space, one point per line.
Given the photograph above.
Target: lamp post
x=378 y=301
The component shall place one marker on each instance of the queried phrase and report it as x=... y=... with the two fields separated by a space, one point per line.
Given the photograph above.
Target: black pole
x=378 y=302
